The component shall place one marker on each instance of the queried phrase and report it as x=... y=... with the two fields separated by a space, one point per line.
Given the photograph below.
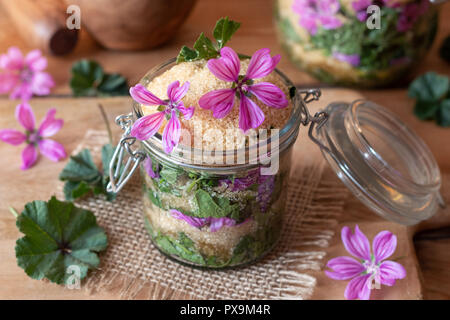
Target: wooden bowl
x=133 y=24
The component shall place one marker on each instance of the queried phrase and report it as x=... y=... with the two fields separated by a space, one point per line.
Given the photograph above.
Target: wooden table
x=18 y=187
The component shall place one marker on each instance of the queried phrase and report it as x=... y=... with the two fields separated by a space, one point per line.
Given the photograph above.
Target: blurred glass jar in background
x=338 y=42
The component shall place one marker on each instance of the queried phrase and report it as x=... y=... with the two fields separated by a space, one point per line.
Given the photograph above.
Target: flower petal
x=250 y=115
x=29 y=156
x=226 y=67
x=358 y=287
x=25 y=116
x=186 y=112
x=171 y=134
x=390 y=271
x=344 y=268
x=22 y=91
x=8 y=81
x=41 y=83
x=147 y=126
x=50 y=125
x=261 y=64
x=52 y=149
x=384 y=245
x=12 y=136
x=175 y=93
x=356 y=244
x=140 y=94
x=148 y=166
x=218 y=223
x=220 y=101
x=35 y=61
x=269 y=94
x=193 y=221
x=13 y=60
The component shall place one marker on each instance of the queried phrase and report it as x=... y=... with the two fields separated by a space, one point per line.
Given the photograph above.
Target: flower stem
x=105 y=119
x=14 y=212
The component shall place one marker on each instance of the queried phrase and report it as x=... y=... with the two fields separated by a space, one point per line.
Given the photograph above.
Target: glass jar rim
x=287 y=134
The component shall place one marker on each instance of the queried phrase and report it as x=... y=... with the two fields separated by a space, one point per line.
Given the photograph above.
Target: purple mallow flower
x=227 y=68
x=369 y=267
x=315 y=13
x=265 y=190
x=148 y=166
x=23 y=76
x=352 y=59
x=144 y=128
x=35 y=139
x=360 y=7
x=410 y=13
x=266 y=185
x=214 y=224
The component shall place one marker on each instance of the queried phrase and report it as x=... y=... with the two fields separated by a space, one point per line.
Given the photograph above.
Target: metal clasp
x=319 y=119
x=120 y=171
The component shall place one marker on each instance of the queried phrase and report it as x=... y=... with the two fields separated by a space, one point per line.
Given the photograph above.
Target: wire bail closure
x=319 y=119
x=120 y=173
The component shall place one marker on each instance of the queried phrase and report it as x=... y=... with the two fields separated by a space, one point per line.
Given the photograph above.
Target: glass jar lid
x=383 y=162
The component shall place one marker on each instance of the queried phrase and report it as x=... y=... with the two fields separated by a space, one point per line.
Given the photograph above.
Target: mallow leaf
x=432 y=94
x=429 y=87
x=89 y=79
x=224 y=30
x=61 y=241
x=82 y=175
x=204 y=48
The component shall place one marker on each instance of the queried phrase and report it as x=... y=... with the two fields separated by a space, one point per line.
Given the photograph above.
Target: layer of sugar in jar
x=203 y=123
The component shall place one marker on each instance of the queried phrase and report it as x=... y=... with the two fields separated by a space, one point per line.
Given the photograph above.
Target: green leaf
x=183 y=247
x=113 y=85
x=429 y=87
x=89 y=79
x=80 y=167
x=170 y=175
x=187 y=54
x=425 y=110
x=210 y=207
x=58 y=235
x=443 y=117
x=154 y=198
x=224 y=30
x=205 y=48
x=82 y=175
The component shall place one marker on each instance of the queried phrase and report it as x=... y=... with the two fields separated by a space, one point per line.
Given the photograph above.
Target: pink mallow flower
x=35 y=139
x=227 y=68
x=360 y=7
x=215 y=224
x=369 y=267
x=24 y=76
x=316 y=13
x=144 y=128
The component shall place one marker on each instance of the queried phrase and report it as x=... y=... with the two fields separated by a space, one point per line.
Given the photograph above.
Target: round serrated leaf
x=58 y=236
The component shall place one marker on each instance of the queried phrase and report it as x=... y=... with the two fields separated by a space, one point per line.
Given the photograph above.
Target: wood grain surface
x=17 y=187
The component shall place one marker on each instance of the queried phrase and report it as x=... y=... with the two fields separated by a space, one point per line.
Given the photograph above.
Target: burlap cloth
x=133 y=267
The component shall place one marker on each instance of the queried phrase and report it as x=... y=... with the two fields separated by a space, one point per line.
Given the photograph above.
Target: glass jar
x=216 y=215
x=360 y=43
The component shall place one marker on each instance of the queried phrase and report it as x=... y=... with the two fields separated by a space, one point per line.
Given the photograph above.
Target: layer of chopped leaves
x=59 y=238
x=82 y=175
x=204 y=48
x=89 y=79
x=432 y=94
